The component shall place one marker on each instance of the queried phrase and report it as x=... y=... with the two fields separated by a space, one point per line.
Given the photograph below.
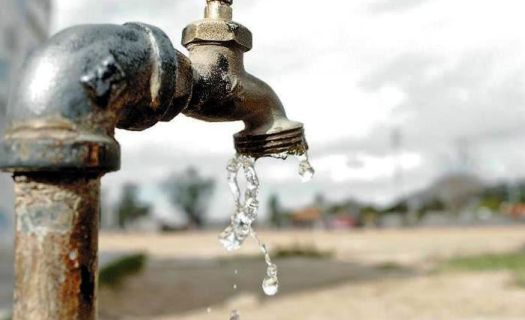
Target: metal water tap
x=71 y=95
x=224 y=91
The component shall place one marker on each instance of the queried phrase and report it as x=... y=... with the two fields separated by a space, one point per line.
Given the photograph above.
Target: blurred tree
x=276 y=216
x=368 y=217
x=130 y=208
x=191 y=193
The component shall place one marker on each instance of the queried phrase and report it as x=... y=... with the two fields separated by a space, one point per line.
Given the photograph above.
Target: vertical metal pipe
x=57 y=217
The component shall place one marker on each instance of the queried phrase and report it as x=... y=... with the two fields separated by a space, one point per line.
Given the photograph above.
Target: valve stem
x=219 y=10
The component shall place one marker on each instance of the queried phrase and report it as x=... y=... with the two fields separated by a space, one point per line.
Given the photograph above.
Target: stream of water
x=246 y=210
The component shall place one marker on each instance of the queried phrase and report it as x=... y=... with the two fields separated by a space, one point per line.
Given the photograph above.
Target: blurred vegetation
x=8 y=317
x=130 y=208
x=114 y=273
x=277 y=216
x=301 y=251
x=191 y=193
x=513 y=262
x=390 y=267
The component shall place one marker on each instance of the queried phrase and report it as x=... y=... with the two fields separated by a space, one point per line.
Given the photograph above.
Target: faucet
x=71 y=95
x=224 y=91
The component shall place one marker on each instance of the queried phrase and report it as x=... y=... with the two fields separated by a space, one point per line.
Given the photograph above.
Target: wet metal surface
x=224 y=91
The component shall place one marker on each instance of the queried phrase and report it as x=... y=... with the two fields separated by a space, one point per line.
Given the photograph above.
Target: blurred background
x=414 y=114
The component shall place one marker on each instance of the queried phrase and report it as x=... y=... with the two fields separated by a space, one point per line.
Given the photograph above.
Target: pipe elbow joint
x=81 y=85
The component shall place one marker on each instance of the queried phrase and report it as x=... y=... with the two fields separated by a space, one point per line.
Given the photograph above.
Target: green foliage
x=488 y=262
x=513 y=262
x=130 y=208
x=192 y=193
x=390 y=267
x=491 y=202
x=303 y=251
x=6 y=317
x=114 y=273
x=276 y=214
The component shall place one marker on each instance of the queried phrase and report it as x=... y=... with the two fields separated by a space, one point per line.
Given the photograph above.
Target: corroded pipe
x=56 y=246
x=83 y=83
x=62 y=115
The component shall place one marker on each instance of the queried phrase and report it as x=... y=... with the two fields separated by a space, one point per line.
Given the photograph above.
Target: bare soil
x=374 y=275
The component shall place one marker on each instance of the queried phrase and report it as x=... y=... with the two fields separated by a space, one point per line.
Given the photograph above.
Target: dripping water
x=246 y=210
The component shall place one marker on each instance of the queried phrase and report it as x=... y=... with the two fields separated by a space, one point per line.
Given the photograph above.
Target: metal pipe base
x=57 y=219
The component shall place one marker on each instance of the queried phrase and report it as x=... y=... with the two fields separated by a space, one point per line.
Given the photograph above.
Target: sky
x=386 y=89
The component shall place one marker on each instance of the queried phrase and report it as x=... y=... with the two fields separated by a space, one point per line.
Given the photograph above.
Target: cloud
x=384 y=6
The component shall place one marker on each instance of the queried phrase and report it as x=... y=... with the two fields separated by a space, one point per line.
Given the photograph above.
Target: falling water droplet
x=235 y=315
x=236 y=271
x=306 y=171
x=208 y=310
x=246 y=213
x=270 y=286
x=234 y=286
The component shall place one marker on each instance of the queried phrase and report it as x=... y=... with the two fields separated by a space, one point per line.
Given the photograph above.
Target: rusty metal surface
x=56 y=247
x=79 y=86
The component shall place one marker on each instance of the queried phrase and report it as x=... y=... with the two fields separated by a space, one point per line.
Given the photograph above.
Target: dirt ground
x=374 y=275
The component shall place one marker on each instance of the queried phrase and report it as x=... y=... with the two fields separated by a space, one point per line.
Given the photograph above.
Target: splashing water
x=246 y=210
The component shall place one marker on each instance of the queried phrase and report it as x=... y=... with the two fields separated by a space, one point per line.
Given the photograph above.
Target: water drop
x=235 y=315
x=208 y=310
x=270 y=286
x=234 y=286
x=236 y=271
x=306 y=171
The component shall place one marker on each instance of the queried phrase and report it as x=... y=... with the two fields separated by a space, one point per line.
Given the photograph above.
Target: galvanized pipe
x=57 y=220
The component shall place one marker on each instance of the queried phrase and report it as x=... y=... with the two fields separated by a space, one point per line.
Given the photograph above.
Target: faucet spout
x=224 y=91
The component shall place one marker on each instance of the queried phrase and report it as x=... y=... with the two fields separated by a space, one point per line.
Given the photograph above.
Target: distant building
x=24 y=24
x=307 y=218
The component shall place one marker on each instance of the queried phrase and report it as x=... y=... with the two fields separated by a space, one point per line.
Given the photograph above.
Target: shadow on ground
x=168 y=287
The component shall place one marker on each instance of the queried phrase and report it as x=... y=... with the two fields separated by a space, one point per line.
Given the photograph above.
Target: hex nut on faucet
x=218 y=30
